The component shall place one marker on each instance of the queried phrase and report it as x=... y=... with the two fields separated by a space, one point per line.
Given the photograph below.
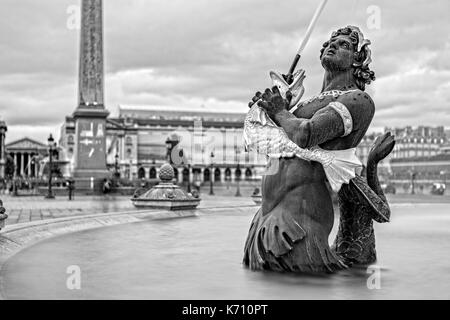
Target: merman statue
x=311 y=144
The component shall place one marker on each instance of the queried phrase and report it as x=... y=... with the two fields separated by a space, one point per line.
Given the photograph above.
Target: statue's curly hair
x=363 y=75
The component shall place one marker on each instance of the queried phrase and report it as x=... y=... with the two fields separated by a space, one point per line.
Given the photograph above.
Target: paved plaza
x=24 y=209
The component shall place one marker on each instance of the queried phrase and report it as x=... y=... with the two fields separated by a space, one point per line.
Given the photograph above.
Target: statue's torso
x=294 y=172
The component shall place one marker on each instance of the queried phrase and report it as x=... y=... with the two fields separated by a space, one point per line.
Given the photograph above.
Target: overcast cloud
x=214 y=55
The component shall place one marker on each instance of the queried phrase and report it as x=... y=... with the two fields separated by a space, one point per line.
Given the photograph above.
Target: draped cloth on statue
x=264 y=136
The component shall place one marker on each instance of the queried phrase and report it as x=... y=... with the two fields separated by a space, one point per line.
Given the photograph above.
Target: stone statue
x=314 y=144
x=3 y=215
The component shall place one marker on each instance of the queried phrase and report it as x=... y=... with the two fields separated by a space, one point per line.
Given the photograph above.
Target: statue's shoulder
x=357 y=97
x=358 y=102
x=361 y=107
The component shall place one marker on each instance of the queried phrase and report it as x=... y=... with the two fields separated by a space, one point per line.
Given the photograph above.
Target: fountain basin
x=200 y=258
x=166 y=194
x=166 y=204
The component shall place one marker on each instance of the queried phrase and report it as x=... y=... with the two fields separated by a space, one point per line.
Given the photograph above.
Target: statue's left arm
x=346 y=114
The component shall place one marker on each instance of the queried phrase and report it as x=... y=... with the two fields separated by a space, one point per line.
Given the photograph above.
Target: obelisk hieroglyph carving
x=90 y=114
x=91 y=54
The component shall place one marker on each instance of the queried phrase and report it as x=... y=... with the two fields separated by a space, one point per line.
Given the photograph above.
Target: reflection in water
x=200 y=258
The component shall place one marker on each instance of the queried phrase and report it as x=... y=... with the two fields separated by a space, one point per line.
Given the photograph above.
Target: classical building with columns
x=211 y=143
x=26 y=154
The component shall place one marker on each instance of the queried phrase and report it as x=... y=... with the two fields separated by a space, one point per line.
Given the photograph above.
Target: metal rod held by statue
x=306 y=37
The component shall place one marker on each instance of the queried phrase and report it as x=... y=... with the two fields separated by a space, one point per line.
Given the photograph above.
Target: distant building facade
x=136 y=144
x=421 y=154
x=418 y=142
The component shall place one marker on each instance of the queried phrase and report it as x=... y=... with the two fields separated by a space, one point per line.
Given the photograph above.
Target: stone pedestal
x=90 y=145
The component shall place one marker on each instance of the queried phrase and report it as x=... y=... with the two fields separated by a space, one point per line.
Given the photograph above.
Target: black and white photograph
x=235 y=152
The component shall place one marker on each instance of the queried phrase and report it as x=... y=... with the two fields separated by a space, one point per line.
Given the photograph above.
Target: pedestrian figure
x=71 y=188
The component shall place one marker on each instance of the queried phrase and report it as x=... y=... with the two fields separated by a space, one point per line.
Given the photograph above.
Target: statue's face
x=339 y=55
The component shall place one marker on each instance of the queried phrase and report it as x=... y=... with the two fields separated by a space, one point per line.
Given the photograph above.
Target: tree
x=9 y=167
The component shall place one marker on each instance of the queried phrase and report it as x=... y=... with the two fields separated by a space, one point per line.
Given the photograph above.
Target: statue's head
x=347 y=49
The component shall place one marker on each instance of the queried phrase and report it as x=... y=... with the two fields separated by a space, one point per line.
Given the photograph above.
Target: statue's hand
x=381 y=148
x=255 y=98
x=289 y=78
x=272 y=101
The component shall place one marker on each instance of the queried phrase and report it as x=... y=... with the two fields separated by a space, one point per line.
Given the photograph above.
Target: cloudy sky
x=214 y=54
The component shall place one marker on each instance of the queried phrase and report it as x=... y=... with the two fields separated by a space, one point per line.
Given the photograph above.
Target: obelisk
x=90 y=114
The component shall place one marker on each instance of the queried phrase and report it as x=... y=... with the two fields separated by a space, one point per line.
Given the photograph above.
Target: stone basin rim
x=19 y=226
x=166 y=200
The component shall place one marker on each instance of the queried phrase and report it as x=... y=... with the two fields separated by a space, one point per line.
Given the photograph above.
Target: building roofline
x=23 y=139
x=175 y=109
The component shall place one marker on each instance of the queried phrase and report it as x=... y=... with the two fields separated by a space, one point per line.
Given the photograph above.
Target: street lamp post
x=413 y=177
x=238 y=169
x=168 y=150
x=189 y=178
x=116 y=165
x=15 y=193
x=51 y=144
x=211 y=175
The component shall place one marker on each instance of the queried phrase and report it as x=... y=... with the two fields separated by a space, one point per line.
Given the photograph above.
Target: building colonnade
x=25 y=164
x=202 y=174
